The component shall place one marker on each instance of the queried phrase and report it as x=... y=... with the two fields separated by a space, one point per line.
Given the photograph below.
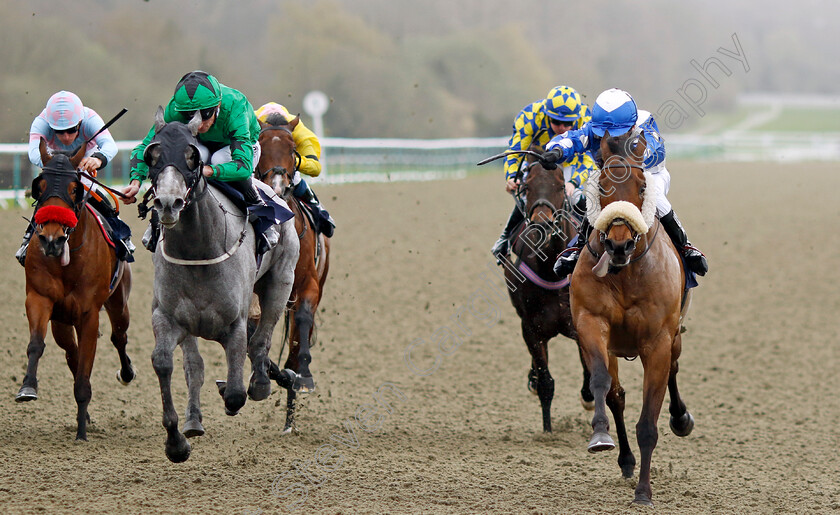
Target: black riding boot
x=326 y=224
x=21 y=253
x=247 y=189
x=502 y=246
x=567 y=259
x=269 y=238
x=694 y=259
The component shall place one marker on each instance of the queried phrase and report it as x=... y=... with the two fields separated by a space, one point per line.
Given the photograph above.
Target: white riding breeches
x=663 y=179
x=223 y=155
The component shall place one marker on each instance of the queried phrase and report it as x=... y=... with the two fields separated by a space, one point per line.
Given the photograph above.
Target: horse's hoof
x=304 y=384
x=259 y=391
x=178 y=451
x=587 y=405
x=682 y=426
x=125 y=382
x=193 y=428
x=26 y=393
x=601 y=442
x=286 y=378
x=234 y=401
x=642 y=500
x=532 y=382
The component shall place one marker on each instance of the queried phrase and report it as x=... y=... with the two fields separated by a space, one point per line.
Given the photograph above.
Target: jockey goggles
x=206 y=114
x=71 y=130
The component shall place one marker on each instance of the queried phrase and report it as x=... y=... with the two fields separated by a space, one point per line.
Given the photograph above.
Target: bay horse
x=542 y=301
x=276 y=168
x=71 y=273
x=627 y=301
x=205 y=273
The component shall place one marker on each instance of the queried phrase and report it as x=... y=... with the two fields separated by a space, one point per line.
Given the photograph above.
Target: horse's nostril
x=178 y=204
x=157 y=204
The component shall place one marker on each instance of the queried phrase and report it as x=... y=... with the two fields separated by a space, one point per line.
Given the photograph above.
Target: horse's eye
x=641 y=191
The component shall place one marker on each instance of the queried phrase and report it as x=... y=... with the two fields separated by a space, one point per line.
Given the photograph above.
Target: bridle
x=528 y=211
x=602 y=236
x=278 y=170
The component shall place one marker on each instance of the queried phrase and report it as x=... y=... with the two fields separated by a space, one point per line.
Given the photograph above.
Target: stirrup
x=20 y=255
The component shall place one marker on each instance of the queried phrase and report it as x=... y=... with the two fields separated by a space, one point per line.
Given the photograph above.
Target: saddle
x=310 y=214
x=114 y=230
x=262 y=217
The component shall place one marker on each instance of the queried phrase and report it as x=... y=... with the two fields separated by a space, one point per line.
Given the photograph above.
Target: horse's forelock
x=276 y=119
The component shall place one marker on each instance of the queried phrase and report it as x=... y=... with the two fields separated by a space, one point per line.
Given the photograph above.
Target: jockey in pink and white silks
x=65 y=125
x=615 y=111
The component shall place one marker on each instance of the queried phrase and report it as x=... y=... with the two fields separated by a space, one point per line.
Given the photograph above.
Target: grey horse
x=205 y=275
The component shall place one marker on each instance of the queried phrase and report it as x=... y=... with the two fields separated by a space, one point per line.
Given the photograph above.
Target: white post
x=316 y=103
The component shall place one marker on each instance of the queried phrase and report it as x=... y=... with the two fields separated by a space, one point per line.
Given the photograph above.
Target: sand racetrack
x=759 y=373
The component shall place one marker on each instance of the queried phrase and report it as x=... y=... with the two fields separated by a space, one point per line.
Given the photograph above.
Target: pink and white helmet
x=64 y=110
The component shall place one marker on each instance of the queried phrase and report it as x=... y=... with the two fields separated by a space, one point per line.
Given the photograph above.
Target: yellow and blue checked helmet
x=563 y=103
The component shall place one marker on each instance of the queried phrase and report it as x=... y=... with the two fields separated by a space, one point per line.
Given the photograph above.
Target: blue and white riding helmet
x=614 y=111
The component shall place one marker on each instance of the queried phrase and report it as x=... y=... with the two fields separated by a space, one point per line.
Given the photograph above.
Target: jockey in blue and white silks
x=616 y=112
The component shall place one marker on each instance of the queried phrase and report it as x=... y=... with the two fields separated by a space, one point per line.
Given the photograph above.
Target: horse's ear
x=151 y=155
x=194 y=123
x=78 y=156
x=36 y=189
x=159 y=121
x=192 y=156
x=605 y=147
x=45 y=156
x=294 y=121
x=641 y=146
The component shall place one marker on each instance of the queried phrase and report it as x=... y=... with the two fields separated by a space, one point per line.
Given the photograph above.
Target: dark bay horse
x=71 y=273
x=276 y=168
x=627 y=302
x=540 y=297
x=205 y=273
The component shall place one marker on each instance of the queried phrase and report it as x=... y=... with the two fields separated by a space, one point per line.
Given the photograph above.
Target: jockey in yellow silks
x=308 y=149
x=562 y=110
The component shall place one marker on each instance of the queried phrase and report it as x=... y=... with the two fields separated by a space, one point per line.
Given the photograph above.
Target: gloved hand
x=549 y=159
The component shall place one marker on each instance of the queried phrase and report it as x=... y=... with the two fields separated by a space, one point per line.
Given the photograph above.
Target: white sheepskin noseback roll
x=624 y=210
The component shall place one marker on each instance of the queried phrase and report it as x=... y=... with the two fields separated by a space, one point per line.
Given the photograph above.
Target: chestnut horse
x=71 y=273
x=627 y=302
x=540 y=297
x=276 y=167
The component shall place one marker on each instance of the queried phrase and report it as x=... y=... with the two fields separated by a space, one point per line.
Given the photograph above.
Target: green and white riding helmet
x=197 y=90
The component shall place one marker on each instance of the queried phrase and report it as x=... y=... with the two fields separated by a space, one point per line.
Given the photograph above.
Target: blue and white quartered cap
x=614 y=111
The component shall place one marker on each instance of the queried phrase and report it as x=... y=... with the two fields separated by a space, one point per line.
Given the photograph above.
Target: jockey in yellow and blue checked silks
x=615 y=111
x=562 y=110
x=308 y=149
